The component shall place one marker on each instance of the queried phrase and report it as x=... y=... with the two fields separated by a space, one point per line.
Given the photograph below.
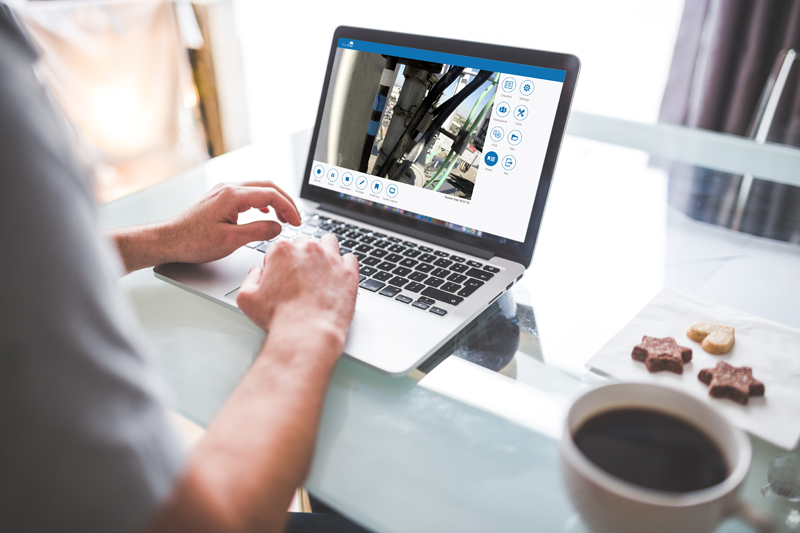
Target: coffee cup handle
x=753 y=516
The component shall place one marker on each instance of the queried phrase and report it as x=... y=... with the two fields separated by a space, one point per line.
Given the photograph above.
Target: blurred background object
x=121 y=73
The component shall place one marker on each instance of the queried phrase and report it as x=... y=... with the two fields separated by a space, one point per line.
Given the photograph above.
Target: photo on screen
x=405 y=120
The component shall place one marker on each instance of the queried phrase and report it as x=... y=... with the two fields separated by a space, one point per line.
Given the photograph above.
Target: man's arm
x=208 y=230
x=243 y=473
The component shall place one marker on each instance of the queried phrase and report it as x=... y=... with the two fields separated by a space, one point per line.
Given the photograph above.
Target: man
x=85 y=445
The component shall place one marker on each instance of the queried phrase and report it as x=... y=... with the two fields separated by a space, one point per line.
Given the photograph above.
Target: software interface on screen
x=450 y=139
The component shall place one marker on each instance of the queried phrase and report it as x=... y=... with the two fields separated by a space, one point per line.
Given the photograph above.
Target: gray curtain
x=723 y=57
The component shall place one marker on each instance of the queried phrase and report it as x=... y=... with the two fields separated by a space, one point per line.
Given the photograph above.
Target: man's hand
x=208 y=230
x=303 y=283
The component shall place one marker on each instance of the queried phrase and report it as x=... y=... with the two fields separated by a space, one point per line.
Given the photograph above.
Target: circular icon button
x=502 y=109
x=333 y=175
x=490 y=159
x=514 y=137
x=509 y=162
x=392 y=190
x=376 y=187
x=318 y=171
x=520 y=112
x=362 y=182
x=526 y=88
x=508 y=84
x=347 y=178
x=497 y=134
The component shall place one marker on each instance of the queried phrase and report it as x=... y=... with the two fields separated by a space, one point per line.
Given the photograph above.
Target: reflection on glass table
x=468 y=442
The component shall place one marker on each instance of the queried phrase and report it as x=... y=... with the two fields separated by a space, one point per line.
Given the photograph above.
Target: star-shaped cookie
x=728 y=381
x=662 y=354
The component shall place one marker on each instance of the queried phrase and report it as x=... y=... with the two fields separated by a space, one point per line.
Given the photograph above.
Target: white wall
x=625 y=47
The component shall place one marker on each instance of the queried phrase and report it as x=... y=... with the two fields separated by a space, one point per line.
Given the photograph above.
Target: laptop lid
x=451 y=139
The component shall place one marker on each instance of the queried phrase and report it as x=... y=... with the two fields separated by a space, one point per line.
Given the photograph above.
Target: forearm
x=258 y=450
x=142 y=246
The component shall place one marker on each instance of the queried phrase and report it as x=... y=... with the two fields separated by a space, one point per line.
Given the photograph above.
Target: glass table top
x=469 y=440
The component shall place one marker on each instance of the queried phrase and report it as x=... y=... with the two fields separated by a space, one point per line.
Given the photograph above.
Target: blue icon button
x=520 y=112
x=502 y=109
x=508 y=84
x=376 y=187
x=509 y=162
x=490 y=159
x=392 y=190
x=526 y=88
x=497 y=134
x=333 y=175
x=362 y=182
x=347 y=178
x=318 y=171
x=514 y=138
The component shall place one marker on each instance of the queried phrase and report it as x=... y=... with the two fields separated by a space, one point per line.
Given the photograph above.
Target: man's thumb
x=261 y=230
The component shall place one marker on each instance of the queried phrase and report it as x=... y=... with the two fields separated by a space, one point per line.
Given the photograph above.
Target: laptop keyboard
x=408 y=272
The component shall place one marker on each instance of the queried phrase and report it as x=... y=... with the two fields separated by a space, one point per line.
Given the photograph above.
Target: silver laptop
x=430 y=161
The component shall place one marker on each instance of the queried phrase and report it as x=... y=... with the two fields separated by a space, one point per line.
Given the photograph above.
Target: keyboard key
x=411 y=253
x=427 y=258
x=349 y=243
x=401 y=271
x=396 y=248
x=394 y=239
x=457 y=278
x=314 y=222
x=467 y=291
x=444 y=263
x=367 y=270
x=368 y=240
x=359 y=256
x=381 y=244
x=353 y=234
x=394 y=258
x=474 y=264
x=424 y=249
x=451 y=287
x=457 y=267
x=343 y=250
x=437 y=311
x=424 y=267
x=341 y=230
x=457 y=259
x=417 y=276
x=472 y=282
x=403 y=299
x=440 y=273
x=361 y=277
x=440 y=253
x=372 y=285
x=379 y=253
x=263 y=247
x=414 y=287
x=493 y=270
x=409 y=244
x=320 y=233
x=442 y=296
x=425 y=300
x=255 y=244
x=398 y=281
x=371 y=261
x=420 y=305
x=382 y=276
x=365 y=248
x=390 y=291
x=433 y=282
x=408 y=263
x=309 y=230
x=379 y=235
x=386 y=265
x=480 y=274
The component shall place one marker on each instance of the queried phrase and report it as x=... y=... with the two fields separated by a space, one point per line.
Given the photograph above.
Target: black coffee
x=652 y=449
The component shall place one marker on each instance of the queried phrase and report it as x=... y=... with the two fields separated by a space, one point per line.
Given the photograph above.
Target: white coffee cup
x=609 y=504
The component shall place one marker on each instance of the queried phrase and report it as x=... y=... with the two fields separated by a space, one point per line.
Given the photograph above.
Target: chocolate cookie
x=728 y=381
x=662 y=354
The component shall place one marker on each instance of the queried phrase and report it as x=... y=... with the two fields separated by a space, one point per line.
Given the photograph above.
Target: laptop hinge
x=411 y=232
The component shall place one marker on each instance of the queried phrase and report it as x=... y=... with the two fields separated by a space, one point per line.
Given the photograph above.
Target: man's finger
x=259 y=197
x=260 y=230
x=329 y=243
x=251 y=280
x=267 y=184
x=350 y=261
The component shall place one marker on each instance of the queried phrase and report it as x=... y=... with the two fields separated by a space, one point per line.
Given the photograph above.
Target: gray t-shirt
x=85 y=444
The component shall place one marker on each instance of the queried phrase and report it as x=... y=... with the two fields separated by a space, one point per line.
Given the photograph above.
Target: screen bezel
x=521 y=252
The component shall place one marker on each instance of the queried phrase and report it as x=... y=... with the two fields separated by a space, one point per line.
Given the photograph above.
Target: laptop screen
x=448 y=139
